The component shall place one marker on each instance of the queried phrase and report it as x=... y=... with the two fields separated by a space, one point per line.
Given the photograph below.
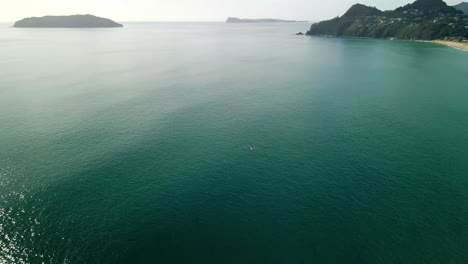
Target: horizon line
x=177 y=21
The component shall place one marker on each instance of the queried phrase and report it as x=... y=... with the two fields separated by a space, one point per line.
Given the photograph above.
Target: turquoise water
x=133 y=146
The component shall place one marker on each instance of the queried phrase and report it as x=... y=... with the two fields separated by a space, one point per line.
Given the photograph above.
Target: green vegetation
x=423 y=19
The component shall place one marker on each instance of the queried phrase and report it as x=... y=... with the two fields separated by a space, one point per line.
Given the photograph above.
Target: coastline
x=452 y=44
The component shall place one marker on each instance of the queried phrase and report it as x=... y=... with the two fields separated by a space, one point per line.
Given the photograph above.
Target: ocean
x=230 y=143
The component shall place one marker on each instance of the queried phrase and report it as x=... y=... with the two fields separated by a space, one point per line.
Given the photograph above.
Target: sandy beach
x=453 y=44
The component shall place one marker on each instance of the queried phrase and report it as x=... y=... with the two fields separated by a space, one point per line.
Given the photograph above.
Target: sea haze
x=133 y=145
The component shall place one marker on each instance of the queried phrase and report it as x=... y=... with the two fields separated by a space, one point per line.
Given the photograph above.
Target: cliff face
x=423 y=19
x=76 y=21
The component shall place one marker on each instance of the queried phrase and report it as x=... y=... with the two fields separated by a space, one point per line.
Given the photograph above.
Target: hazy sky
x=188 y=10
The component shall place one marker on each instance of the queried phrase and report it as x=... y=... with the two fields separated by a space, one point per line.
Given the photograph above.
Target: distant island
x=264 y=20
x=463 y=7
x=421 y=20
x=75 y=21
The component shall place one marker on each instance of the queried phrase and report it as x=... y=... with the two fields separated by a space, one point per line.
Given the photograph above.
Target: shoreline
x=452 y=44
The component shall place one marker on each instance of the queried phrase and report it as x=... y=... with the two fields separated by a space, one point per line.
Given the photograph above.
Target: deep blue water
x=133 y=146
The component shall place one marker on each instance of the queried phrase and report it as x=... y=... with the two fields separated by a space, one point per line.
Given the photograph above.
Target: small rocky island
x=421 y=20
x=264 y=20
x=75 y=21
